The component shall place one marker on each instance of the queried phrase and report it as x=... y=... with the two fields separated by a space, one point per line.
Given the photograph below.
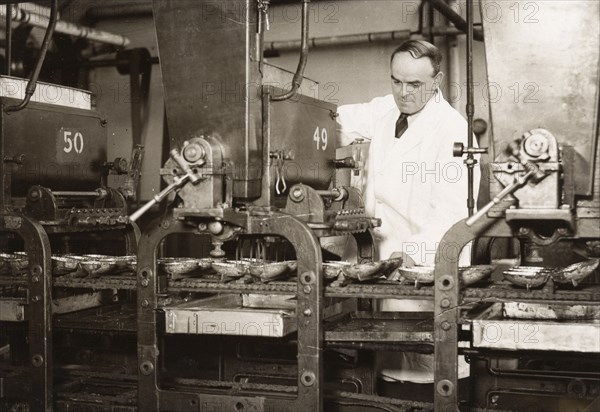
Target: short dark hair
x=421 y=48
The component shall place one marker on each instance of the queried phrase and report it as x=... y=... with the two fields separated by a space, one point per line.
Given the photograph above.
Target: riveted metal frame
x=39 y=306
x=39 y=303
x=152 y=397
x=447 y=303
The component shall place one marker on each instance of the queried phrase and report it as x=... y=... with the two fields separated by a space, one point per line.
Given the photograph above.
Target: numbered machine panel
x=58 y=144
x=301 y=138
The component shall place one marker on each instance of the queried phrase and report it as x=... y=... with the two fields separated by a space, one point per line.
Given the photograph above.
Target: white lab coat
x=418 y=189
x=414 y=184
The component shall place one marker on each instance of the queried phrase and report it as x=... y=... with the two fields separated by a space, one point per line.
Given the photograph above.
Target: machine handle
x=194 y=178
x=159 y=197
x=505 y=192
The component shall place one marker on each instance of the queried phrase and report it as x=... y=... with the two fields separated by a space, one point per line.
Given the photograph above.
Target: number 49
x=320 y=138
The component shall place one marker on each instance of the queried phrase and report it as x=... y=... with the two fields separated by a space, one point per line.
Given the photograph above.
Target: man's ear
x=437 y=80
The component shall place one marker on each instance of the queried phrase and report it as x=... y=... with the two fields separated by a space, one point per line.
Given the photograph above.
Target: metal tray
x=179 y=267
x=65 y=264
x=225 y=315
x=535 y=276
x=370 y=270
x=267 y=271
x=331 y=270
x=424 y=274
x=575 y=273
x=231 y=268
x=493 y=329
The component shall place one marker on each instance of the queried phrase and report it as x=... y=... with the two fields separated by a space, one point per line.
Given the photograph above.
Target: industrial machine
x=232 y=302
x=54 y=204
x=544 y=182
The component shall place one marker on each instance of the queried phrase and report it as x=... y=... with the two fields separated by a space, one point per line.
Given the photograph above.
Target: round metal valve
x=458 y=150
x=536 y=145
x=193 y=152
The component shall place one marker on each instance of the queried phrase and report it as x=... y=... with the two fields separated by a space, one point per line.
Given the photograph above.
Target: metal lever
x=505 y=192
x=134 y=171
x=179 y=182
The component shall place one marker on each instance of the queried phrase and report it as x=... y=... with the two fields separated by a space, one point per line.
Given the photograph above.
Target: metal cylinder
x=26 y=17
x=77 y=194
x=331 y=41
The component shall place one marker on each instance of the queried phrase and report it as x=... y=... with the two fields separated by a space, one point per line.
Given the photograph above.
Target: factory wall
x=347 y=74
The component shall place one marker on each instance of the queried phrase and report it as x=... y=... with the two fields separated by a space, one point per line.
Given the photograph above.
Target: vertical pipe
x=453 y=59
x=430 y=22
x=470 y=107
x=3 y=175
x=32 y=84
x=8 y=53
x=299 y=75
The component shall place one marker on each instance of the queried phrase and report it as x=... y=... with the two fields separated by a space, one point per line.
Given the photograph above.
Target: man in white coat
x=413 y=182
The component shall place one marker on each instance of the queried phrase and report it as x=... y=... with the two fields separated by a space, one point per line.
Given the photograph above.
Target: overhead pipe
x=299 y=75
x=32 y=84
x=96 y=13
x=345 y=40
x=273 y=47
x=38 y=9
x=455 y=18
x=23 y=16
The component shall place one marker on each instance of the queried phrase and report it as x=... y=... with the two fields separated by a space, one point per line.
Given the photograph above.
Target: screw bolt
x=37 y=360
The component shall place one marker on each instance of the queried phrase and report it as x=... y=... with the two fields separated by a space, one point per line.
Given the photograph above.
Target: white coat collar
x=421 y=127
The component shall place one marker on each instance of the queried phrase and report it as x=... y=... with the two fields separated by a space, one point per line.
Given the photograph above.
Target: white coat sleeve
x=355 y=121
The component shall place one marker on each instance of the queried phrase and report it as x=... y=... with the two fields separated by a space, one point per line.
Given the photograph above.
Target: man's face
x=413 y=82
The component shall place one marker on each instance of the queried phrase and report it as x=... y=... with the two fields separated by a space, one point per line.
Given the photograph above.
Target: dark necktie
x=401 y=125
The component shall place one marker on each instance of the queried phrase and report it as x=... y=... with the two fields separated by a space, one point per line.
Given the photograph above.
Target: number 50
x=320 y=138
x=73 y=143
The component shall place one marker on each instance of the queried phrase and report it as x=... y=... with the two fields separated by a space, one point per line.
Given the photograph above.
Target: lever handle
x=159 y=197
x=505 y=192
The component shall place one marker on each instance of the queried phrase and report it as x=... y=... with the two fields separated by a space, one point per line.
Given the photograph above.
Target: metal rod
x=470 y=161
x=32 y=84
x=110 y=63
x=76 y=194
x=8 y=52
x=328 y=193
x=298 y=76
x=26 y=17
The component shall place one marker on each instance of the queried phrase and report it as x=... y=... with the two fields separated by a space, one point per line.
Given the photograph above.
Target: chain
x=381 y=290
x=237 y=385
